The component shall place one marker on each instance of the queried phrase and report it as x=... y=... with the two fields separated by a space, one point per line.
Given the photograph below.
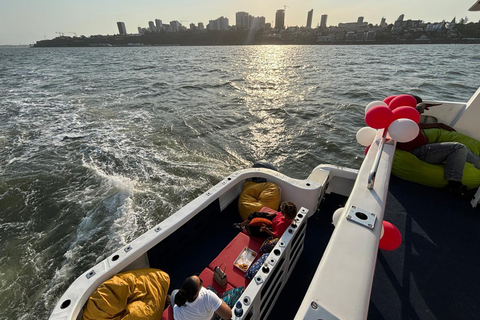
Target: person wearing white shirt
x=194 y=302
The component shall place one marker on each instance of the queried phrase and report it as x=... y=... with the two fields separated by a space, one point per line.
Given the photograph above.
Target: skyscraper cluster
x=243 y=21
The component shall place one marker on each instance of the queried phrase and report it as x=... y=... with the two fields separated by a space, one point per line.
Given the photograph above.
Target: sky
x=27 y=21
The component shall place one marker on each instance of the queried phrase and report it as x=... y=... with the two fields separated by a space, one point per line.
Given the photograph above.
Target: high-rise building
x=257 y=23
x=360 y=20
x=383 y=22
x=309 y=18
x=158 y=24
x=201 y=26
x=218 y=24
x=121 y=28
x=280 y=19
x=242 y=20
x=175 y=25
x=151 y=26
x=323 y=21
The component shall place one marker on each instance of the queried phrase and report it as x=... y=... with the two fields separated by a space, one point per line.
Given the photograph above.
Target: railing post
x=373 y=171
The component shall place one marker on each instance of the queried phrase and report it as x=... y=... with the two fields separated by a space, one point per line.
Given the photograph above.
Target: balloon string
x=373 y=172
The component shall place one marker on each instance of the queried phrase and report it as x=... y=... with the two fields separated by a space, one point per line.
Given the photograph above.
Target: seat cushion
x=168 y=313
x=409 y=167
x=256 y=195
x=207 y=278
x=134 y=294
x=236 y=277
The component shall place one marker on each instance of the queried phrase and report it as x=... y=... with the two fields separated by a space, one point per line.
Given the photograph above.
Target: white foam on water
x=110 y=217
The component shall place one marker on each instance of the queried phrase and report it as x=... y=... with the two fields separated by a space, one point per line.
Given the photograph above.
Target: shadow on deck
x=435 y=272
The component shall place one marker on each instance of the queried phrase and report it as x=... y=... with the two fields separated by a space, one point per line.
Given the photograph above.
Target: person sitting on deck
x=194 y=302
x=453 y=154
x=280 y=221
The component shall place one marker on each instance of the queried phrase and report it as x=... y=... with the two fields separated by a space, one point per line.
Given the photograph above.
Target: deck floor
x=435 y=274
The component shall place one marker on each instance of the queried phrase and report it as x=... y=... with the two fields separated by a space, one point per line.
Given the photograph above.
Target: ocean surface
x=97 y=145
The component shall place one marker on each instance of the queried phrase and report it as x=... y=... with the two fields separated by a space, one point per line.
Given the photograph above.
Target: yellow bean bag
x=409 y=167
x=131 y=295
x=256 y=195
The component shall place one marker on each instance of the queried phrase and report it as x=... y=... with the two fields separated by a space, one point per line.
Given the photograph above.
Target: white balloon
x=336 y=216
x=375 y=103
x=403 y=130
x=366 y=135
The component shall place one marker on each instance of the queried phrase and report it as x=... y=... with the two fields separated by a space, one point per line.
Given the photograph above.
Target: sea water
x=97 y=145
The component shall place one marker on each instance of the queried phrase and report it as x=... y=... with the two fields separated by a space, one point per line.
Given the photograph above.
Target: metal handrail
x=373 y=172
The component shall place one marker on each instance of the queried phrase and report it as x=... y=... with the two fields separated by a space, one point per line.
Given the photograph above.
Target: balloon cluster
x=390 y=236
x=397 y=114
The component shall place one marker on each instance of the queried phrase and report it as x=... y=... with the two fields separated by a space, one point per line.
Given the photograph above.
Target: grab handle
x=373 y=172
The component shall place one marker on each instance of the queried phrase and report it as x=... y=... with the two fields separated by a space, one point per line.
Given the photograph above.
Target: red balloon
x=378 y=117
x=403 y=100
x=407 y=113
x=388 y=99
x=392 y=238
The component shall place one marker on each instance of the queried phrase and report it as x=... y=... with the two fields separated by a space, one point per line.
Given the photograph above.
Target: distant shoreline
x=53 y=43
x=341 y=43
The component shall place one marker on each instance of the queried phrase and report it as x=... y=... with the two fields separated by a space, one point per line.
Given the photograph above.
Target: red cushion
x=258 y=222
x=207 y=278
x=236 y=277
x=257 y=239
x=167 y=313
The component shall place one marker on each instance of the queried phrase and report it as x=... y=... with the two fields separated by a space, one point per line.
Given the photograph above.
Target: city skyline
x=27 y=21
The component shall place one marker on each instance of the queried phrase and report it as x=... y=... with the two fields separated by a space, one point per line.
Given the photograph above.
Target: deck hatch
x=362 y=217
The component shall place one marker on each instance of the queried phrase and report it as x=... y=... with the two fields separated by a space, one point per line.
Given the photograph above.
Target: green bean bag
x=409 y=167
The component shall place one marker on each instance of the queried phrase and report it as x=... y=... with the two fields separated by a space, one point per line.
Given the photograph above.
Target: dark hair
x=187 y=292
x=289 y=209
x=419 y=100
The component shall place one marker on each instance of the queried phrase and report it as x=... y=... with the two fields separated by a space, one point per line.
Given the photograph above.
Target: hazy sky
x=26 y=21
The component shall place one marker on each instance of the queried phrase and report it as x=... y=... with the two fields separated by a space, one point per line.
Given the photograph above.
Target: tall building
x=158 y=24
x=121 y=28
x=242 y=20
x=257 y=23
x=218 y=24
x=360 y=20
x=309 y=18
x=201 y=26
x=323 y=21
x=151 y=26
x=383 y=22
x=280 y=19
x=175 y=25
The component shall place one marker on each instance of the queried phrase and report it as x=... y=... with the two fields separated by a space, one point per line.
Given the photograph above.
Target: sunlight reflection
x=270 y=72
